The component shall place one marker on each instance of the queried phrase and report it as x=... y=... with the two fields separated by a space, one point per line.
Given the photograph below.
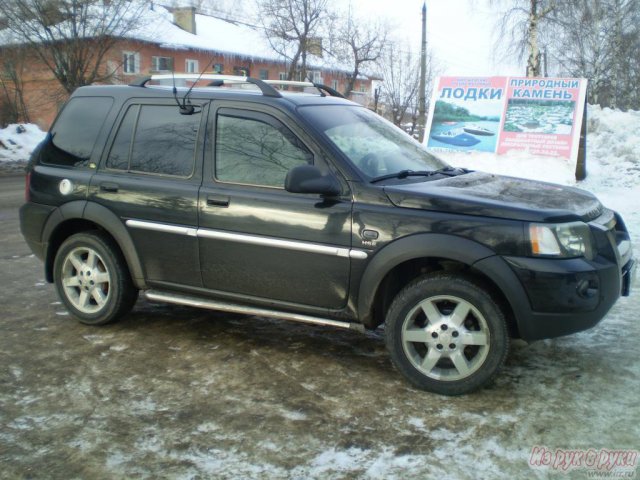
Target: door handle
x=217 y=200
x=109 y=187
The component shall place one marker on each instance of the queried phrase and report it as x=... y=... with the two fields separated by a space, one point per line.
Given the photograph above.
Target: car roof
x=125 y=92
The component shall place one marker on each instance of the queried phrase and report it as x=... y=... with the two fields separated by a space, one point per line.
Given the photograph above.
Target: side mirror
x=309 y=179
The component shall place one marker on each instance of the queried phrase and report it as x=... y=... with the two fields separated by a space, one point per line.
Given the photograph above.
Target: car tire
x=92 y=279
x=446 y=334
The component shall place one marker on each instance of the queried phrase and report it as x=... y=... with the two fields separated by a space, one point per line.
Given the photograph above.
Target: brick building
x=182 y=41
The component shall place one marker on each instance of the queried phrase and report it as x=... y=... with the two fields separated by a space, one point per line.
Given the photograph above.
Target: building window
x=316 y=76
x=161 y=64
x=218 y=68
x=264 y=74
x=334 y=85
x=363 y=88
x=282 y=75
x=191 y=66
x=241 y=71
x=130 y=62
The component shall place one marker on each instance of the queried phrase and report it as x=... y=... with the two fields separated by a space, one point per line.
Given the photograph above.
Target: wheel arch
x=81 y=216
x=405 y=259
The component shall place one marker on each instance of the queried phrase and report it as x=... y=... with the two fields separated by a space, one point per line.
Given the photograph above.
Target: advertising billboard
x=542 y=116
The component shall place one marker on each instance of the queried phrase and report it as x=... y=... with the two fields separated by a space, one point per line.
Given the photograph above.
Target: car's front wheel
x=446 y=334
x=92 y=279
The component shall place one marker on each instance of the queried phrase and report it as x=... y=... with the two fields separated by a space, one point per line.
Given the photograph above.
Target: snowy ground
x=180 y=393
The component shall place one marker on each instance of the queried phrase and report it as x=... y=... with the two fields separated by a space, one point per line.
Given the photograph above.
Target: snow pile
x=18 y=141
x=613 y=147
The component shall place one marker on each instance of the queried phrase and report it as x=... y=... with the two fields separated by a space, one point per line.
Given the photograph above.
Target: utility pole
x=422 y=101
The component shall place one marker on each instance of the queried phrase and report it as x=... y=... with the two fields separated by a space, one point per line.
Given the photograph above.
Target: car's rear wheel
x=92 y=279
x=446 y=334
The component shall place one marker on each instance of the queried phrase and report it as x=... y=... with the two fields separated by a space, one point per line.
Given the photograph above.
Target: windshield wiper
x=448 y=171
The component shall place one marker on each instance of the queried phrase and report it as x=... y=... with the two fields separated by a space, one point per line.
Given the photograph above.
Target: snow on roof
x=214 y=34
x=220 y=35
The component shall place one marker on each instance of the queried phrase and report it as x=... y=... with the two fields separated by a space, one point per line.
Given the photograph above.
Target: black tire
x=92 y=279
x=443 y=351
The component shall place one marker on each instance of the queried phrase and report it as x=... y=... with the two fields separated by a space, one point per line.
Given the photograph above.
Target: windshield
x=375 y=146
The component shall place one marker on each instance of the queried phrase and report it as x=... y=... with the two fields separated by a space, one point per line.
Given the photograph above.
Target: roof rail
x=267 y=90
x=218 y=80
x=329 y=90
x=293 y=83
x=320 y=87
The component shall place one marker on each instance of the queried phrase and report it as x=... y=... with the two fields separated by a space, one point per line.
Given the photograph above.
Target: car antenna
x=322 y=94
x=183 y=109
x=175 y=90
x=189 y=109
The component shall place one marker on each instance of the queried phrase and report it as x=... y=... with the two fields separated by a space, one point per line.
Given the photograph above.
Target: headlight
x=560 y=240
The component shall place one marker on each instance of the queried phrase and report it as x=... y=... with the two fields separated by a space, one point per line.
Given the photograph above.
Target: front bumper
x=567 y=296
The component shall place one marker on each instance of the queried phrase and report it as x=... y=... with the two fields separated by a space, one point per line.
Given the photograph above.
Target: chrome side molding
x=170 y=297
x=250 y=239
x=162 y=227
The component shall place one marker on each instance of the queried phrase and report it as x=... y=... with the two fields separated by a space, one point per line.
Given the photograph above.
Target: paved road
x=11 y=191
x=173 y=392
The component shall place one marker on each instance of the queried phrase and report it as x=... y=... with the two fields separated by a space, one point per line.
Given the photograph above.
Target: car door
x=150 y=178
x=258 y=241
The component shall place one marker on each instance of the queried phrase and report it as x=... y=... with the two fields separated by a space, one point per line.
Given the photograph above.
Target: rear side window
x=155 y=139
x=75 y=132
x=121 y=148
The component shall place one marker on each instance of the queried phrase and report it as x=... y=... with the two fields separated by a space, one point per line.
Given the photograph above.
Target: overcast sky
x=460 y=32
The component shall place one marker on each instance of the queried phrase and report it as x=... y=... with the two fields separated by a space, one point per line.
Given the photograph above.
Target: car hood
x=488 y=195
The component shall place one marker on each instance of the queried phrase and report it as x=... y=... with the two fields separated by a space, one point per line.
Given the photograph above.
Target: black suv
x=308 y=207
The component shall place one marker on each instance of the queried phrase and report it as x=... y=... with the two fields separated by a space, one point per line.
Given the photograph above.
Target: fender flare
x=67 y=211
x=104 y=218
x=426 y=245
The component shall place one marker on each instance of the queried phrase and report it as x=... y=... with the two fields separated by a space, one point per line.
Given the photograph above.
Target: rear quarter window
x=155 y=139
x=74 y=134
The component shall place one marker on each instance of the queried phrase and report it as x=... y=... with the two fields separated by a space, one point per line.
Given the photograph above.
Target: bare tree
x=599 y=40
x=400 y=80
x=595 y=39
x=522 y=26
x=357 y=42
x=72 y=37
x=14 y=109
x=292 y=28
x=539 y=11
x=400 y=71
x=623 y=19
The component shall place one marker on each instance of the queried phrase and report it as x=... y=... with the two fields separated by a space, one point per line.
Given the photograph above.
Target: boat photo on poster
x=542 y=116
x=465 y=113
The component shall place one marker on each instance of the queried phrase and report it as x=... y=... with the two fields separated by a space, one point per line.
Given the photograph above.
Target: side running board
x=167 y=297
